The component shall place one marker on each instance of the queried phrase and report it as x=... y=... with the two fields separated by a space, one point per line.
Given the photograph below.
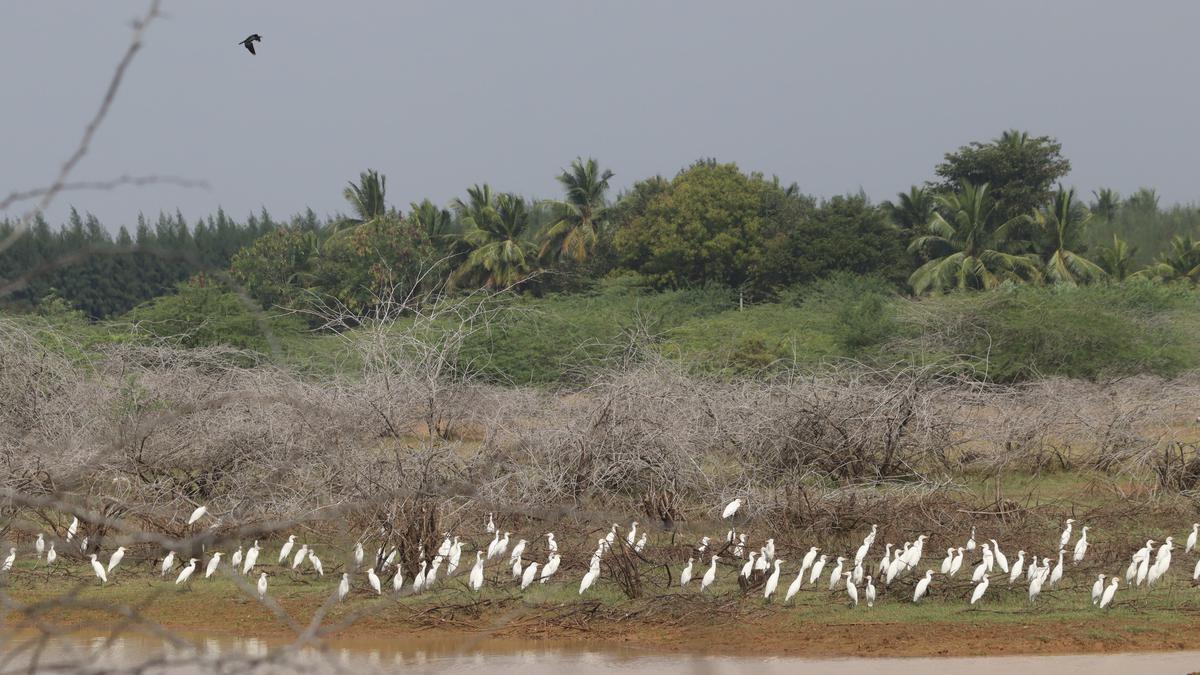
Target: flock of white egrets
x=1148 y=564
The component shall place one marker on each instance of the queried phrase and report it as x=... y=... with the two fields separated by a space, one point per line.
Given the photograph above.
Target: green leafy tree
x=912 y=210
x=367 y=197
x=434 y=221
x=705 y=227
x=1107 y=204
x=968 y=245
x=1020 y=171
x=497 y=253
x=574 y=235
x=1063 y=222
x=1117 y=259
x=1144 y=201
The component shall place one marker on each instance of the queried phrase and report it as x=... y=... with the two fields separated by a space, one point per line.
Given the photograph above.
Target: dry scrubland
x=407 y=448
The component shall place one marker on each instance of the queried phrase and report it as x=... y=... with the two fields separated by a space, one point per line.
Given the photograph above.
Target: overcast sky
x=836 y=95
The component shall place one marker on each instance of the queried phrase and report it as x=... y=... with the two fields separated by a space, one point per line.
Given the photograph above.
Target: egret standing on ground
x=262 y=586
x=398 y=580
x=731 y=508
x=186 y=573
x=98 y=569
x=1109 y=593
x=287 y=548
x=115 y=559
x=772 y=582
x=316 y=562
x=251 y=558
x=529 y=575
x=212 y=565
x=686 y=575
x=851 y=590
x=1081 y=545
x=1191 y=540
x=870 y=593
x=343 y=586
x=51 y=555
x=590 y=578
x=300 y=555
x=551 y=567
x=1066 y=534
x=72 y=528
x=922 y=586
x=373 y=579
x=167 y=563
x=710 y=576
x=40 y=545
x=979 y=591
x=1098 y=588
x=476 y=579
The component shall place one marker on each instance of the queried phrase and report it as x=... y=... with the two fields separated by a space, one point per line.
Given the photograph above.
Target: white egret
x=8 y=562
x=550 y=567
x=836 y=575
x=1098 y=588
x=262 y=586
x=749 y=566
x=197 y=514
x=816 y=569
x=186 y=572
x=761 y=565
x=51 y=555
x=373 y=579
x=795 y=587
x=300 y=556
x=316 y=562
x=632 y=536
x=641 y=544
x=851 y=590
x=517 y=551
x=1035 y=585
x=444 y=549
x=769 y=550
x=710 y=576
x=808 y=560
x=529 y=575
x=1143 y=571
x=1191 y=540
x=40 y=545
x=869 y=540
x=971 y=541
x=72 y=528
x=612 y=536
x=490 y=527
x=686 y=575
x=861 y=553
x=980 y=572
x=870 y=593
x=947 y=561
x=251 y=558
x=343 y=586
x=236 y=561
x=1032 y=570
x=979 y=591
x=167 y=563
x=551 y=545
x=491 y=549
x=1109 y=593
x=590 y=578
x=213 y=562
x=476 y=578
x=1001 y=559
x=398 y=579
x=286 y=548
x=516 y=568
x=1081 y=545
x=1066 y=534
x=419 y=579
x=431 y=575
x=358 y=555
x=455 y=556
x=1057 y=572
x=923 y=586
x=731 y=508
x=989 y=558
x=857 y=574
x=502 y=545
x=115 y=559
x=1018 y=565
x=772 y=581
x=1195 y=570
x=83 y=545
x=956 y=564
x=740 y=549
x=885 y=561
x=98 y=570
x=912 y=557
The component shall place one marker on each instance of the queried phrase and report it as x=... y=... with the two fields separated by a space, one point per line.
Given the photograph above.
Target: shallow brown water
x=408 y=654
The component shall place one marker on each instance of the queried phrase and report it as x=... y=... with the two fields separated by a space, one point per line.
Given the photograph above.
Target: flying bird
x=248 y=43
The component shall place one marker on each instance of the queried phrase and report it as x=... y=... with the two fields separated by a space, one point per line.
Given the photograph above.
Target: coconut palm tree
x=433 y=220
x=967 y=248
x=1179 y=262
x=1117 y=260
x=1144 y=200
x=1063 y=221
x=1107 y=203
x=574 y=234
x=367 y=196
x=912 y=210
x=497 y=253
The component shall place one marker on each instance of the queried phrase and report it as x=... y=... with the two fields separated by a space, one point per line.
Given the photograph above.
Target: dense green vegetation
x=992 y=265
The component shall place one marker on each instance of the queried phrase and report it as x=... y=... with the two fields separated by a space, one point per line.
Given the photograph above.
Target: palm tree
x=1181 y=261
x=435 y=221
x=912 y=210
x=367 y=196
x=497 y=254
x=1117 y=260
x=1145 y=200
x=1107 y=203
x=574 y=234
x=1064 y=220
x=1013 y=137
x=967 y=249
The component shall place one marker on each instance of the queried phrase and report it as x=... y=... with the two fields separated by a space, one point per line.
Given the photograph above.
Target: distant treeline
x=994 y=214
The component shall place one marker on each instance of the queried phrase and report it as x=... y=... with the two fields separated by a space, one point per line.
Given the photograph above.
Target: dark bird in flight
x=248 y=43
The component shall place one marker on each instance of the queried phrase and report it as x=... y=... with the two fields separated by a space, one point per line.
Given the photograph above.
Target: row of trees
x=993 y=214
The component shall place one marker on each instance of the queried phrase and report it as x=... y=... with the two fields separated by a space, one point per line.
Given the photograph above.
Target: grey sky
x=439 y=95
